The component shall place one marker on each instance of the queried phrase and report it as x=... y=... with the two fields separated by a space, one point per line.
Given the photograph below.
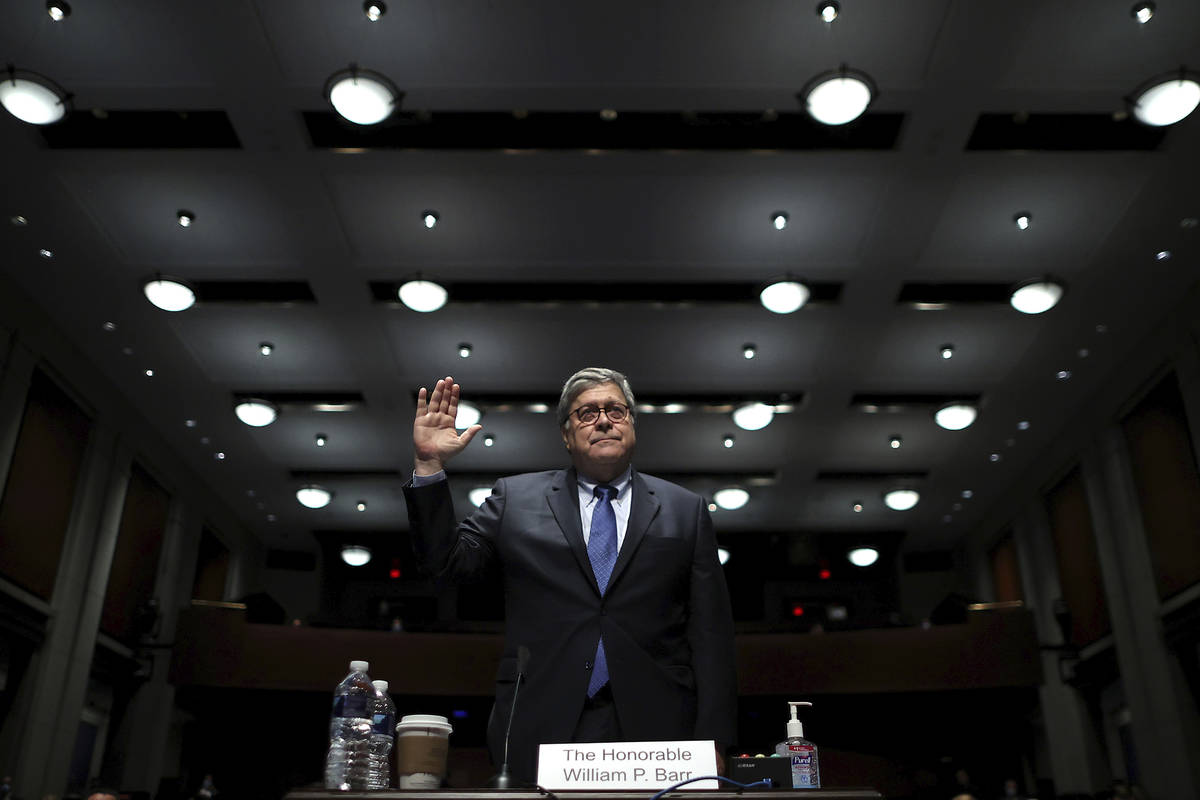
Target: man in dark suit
x=611 y=581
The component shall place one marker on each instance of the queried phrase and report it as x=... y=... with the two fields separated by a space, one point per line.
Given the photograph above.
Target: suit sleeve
x=448 y=549
x=710 y=633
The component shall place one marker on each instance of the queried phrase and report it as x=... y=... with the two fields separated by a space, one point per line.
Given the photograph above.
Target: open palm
x=435 y=439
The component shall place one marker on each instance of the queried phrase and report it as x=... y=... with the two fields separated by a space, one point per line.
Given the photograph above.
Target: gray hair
x=585 y=379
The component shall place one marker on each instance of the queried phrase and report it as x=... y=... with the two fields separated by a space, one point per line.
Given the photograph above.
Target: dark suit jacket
x=666 y=620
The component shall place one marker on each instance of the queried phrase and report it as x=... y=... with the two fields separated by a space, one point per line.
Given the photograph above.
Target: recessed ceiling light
x=784 y=297
x=894 y=442
x=185 y=218
x=361 y=505
x=901 y=499
x=256 y=413
x=313 y=496
x=266 y=348
x=149 y=373
x=838 y=97
x=18 y=220
x=1167 y=99
x=219 y=455
x=468 y=415
x=1186 y=222
x=994 y=457
x=321 y=439
x=33 y=98
x=608 y=114
x=753 y=416
x=731 y=498
x=856 y=507
x=1023 y=425
x=479 y=494
x=749 y=350
x=728 y=441
x=109 y=326
x=780 y=220
x=464 y=350
x=374 y=9
x=712 y=507
x=423 y=296
x=58 y=10
x=169 y=294
x=204 y=440
x=967 y=494
x=44 y=253
x=863 y=556
x=828 y=10
x=1083 y=352
x=955 y=416
x=1063 y=375
x=1163 y=255
x=191 y=423
x=430 y=218
x=356 y=555
x=722 y=556
x=1036 y=297
x=362 y=96
x=1142 y=12
x=1022 y=219
x=947 y=351
x=489 y=440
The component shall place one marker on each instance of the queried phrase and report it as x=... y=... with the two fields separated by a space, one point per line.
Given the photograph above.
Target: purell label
x=802 y=766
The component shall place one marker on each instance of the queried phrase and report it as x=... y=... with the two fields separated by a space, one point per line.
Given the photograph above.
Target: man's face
x=603 y=449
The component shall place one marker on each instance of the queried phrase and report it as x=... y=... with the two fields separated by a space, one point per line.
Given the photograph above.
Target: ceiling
x=914 y=193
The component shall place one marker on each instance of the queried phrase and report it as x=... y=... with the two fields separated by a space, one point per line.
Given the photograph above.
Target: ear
x=566 y=439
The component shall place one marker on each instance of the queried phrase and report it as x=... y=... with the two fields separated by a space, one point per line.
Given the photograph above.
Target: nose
x=603 y=422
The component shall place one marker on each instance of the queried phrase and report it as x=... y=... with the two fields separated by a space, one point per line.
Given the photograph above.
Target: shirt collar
x=620 y=484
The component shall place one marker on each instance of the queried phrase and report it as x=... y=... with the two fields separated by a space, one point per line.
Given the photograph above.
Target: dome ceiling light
x=1166 y=99
x=828 y=10
x=1142 y=12
x=356 y=555
x=901 y=499
x=255 y=412
x=779 y=220
x=58 y=10
x=784 y=297
x=753 y=416
x=479 y=494
x=33 y=98
x=362 y=96
x=169 y=294
x=311 y=495
x=838 y=97
x=374 y=9
x=430 y=219
x=863 y=556
x=722 y=556
x=423 y=296
x=468 y=415
x=731 y=498
x=955 y=416
x=1036 y=296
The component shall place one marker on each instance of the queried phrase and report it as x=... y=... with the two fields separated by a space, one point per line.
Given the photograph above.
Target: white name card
x=626 y=765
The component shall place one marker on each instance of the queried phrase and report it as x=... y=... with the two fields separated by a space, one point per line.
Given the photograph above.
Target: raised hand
x=435 y=439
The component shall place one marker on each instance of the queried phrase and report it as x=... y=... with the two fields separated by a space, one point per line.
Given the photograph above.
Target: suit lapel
x=563 y=497
x=645 y=508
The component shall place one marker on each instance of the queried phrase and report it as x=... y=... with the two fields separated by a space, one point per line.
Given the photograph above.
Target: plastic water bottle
x=347 y=766
x=383 y=736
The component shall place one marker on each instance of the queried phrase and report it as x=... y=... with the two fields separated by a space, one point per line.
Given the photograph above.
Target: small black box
x=749 y=770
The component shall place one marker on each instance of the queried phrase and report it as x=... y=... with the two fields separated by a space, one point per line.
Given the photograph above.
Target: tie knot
x=606 y=493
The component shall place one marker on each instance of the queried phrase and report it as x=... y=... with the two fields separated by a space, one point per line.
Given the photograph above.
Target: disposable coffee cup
x=422 y=741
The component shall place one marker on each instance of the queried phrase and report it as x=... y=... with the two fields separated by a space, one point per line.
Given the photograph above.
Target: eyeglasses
x=590 y=414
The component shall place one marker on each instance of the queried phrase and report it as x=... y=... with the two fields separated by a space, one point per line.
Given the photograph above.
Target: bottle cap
x=380 y=685
x=359 y=666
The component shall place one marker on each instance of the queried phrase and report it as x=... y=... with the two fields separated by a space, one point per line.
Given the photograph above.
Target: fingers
x=466 y=436
x=443 y=399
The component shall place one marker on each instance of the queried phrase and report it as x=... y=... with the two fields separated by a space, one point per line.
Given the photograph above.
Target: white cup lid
x=431 y=721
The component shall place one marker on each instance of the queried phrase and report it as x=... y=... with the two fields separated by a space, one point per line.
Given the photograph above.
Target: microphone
x=502 y=780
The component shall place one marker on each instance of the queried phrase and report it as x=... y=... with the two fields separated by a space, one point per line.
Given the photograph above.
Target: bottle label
x=351 y=706
x=803 y=766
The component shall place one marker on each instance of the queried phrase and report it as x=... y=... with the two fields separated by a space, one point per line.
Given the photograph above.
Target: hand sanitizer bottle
x=806 y=772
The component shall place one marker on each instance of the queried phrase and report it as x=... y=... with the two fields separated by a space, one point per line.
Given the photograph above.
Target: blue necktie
x=602 y=551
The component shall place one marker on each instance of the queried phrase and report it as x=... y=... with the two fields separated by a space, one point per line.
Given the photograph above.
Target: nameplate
x=626 y=765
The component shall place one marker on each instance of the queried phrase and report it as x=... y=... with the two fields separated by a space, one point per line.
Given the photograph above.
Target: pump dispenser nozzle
x=794 y=727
